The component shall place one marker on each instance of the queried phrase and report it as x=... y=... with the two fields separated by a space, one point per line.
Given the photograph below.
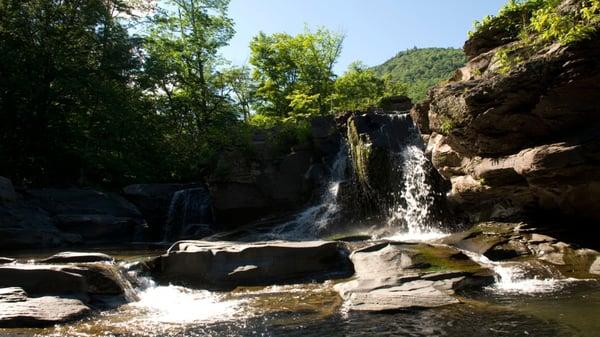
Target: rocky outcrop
x=376 y=142
x=521 y=138
x=396 y=276
x=226 y=265
x=265 y=180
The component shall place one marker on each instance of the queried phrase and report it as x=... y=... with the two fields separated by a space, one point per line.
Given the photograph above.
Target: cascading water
x=411 y=213
x=313 y=220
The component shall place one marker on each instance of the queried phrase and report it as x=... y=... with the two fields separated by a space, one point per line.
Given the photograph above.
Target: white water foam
x=514 y=278
x=174 y=304
x=414 y=200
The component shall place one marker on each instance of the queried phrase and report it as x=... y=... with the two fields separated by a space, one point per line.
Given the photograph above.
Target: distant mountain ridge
x=422 y=68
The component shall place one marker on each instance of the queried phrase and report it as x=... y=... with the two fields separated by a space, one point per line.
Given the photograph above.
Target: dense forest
x=107 y=92
x=421 y=68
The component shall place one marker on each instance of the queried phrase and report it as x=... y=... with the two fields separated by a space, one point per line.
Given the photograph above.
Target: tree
x=241 y=86
x=295 y=73
x=360 y=88
x=67 y=109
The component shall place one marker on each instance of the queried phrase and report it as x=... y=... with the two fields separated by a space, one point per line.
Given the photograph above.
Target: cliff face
x=523 y=139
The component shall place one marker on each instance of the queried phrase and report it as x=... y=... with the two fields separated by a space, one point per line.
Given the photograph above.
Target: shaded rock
x=18 y=310
x=153 y=201
x=42 y=280
x=226 y=265
x=396 y=276
x=101 y=227
x=96 y=216
x=7 y=191
x=325 y=136
x=77 y=257
x=396 y=103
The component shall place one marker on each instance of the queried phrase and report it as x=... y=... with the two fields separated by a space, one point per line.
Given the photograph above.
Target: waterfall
x=311 y=222
x=190 y=215
x=410 y=216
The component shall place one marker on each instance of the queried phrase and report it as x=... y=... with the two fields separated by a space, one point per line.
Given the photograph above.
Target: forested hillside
x=421 y=68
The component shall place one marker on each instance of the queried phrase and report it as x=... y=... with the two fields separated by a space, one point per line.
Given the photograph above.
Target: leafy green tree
x=67 y=108
x=295 y=73
x=360 y=88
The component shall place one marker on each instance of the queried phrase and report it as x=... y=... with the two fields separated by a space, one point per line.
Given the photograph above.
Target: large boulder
x=396 y=276
x=25 y=226
x=153 y=201
x=18 y=310
x=78 y=257
x=96 y=216
x=226 y=265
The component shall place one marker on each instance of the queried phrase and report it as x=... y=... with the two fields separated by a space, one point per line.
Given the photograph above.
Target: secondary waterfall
x=311 y=222
x=189 y=215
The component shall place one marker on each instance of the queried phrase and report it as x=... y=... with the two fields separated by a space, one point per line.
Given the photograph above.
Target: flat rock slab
x=77 y=257
x=398 y=276
x=226 y=265
x=17 y=309
x=6 y=260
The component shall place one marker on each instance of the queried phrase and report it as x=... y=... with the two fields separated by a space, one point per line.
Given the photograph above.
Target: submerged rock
x=18 y=310
x=396 y=276
x=226 y=265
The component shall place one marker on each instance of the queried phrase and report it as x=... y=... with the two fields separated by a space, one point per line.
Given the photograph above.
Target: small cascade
x=312 y=221
x=522 y=277
x=190 y=215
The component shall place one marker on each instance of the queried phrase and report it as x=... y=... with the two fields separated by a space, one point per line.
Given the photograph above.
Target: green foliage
x=421 y=69
x=447 y=125
x=360 y=88
x=540 y=22
x=294 y=73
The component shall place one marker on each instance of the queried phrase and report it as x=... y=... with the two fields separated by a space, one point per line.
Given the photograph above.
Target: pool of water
x=570 y=308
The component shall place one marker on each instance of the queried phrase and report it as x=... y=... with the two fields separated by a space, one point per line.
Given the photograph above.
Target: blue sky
x=375 y=29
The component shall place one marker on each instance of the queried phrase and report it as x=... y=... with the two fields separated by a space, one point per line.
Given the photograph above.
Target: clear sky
x=375 y=29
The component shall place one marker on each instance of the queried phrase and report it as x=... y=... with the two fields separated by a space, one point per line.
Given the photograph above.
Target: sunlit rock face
x=226 y=265
x=522 y=140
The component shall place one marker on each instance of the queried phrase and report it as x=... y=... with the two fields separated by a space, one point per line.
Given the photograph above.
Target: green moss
x=443 y=258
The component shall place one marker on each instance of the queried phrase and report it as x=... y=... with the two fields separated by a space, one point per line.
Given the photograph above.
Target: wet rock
x=101 y=228
x=18 y=310
x=395 y=276
x=7 y=191
x=77 y=257
x=63 y=280
x=226 y=265
x=6 y=260
x=325 y=136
